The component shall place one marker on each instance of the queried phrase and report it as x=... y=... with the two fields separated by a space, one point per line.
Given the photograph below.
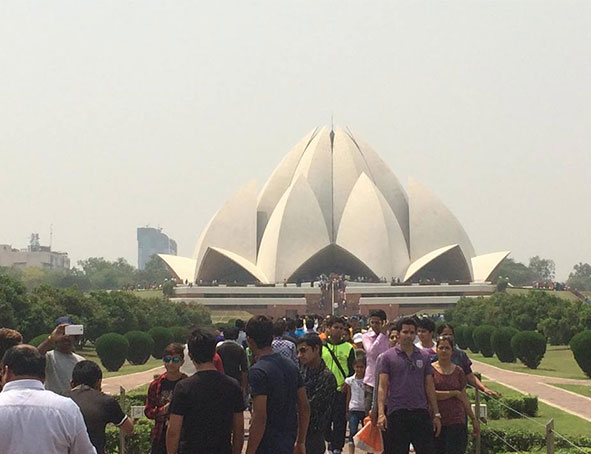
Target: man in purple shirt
x=375 y=342
x=407 y=390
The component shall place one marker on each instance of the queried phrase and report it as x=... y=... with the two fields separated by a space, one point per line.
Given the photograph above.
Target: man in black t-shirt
x=97 y=408
x=234 y=357
x=280 y=409
x=206 y=412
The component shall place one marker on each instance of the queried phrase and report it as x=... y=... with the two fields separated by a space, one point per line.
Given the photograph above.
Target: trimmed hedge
x=482 y=339
x=36 y=341
x=136 y=443
x=529 y=347
x=581 y=348
x=469 y=339
x=162 y=337
x=460 y=337
x=112 y=349
x=141 y=345
x=180 y=334
x=527 y=405
x=501 y=344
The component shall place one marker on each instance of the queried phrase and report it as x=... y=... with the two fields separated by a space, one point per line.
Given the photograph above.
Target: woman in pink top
x=453 y=403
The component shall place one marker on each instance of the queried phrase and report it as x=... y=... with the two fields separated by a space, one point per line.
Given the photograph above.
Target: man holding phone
x=61 y=361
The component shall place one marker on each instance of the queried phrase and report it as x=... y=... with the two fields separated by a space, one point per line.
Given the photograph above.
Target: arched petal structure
x=182 y=268
x=234 y=267
x=233 y=227
x=279 y=181
x=378 y=243
x=433 y=226
x=387 y=183
x=485 y=265
x=295 y=232
x=444 y=264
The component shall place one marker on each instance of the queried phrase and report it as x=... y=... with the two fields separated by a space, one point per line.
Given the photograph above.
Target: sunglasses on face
x=174 y=359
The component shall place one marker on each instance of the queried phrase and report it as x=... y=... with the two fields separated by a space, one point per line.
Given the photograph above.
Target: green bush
x=140 y=347
x=491 y=441
x=482 y=338
x=179 y=334
x=529 y=347
x=136 y=443
x=162 y=337
x=526 y=405
x=501 y=344
x=112 y=349
x=581 y=348
x=468 y=339
x=36 y=341
x=460 y=337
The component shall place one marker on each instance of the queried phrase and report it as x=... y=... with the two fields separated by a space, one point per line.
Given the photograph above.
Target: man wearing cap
x=61 y=361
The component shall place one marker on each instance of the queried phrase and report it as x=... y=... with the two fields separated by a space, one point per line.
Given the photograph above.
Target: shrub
x=482 y=338
x=526 y=405
x=179 y=334
x=493 y=441
x=468 y=338
x=36 y=341
x=136 y=443
x=140 y=347
x=162 y=337
x=581 y=348
x=501 y=344
x=112 y=349
x=460 y=337
x=529 y=347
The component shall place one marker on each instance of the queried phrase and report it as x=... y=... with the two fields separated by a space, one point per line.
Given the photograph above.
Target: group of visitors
x=304 y=381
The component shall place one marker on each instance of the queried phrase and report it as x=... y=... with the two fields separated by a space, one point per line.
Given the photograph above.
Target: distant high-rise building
x=152 y=241
x=33 y=256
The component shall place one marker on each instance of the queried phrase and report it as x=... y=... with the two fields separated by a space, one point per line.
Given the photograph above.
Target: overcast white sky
x=118 y=114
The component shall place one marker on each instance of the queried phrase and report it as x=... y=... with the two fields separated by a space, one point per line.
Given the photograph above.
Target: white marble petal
x=295 y=232
x=238 y=260
x=433 y=225
x=450 y=259
x=183 y=268
x=233 y=227
x=485 y=265
x=369 y=230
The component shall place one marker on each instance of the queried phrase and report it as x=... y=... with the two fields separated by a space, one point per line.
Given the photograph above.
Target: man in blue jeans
x=406 y=387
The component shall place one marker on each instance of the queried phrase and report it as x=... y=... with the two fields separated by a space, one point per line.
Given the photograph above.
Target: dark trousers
x=355 y=420
x=409 y=426
x=335 y=432
x=453 y=439
x=315 y=443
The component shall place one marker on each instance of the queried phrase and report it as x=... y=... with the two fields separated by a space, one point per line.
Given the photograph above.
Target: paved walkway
x=541 y=386
x=111 y=385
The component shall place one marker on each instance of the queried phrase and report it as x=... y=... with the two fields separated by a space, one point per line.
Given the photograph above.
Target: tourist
x=280 y=409
x=460 y=358
x=375 y=342
x=321 y=387
x=33 y=419
x=290 y=328
x=98 y=409
x=310 y=322
x=241 y=334
x=407 y=390
x=425 y=329
x=358 y=341
x=206 y=412
x=234 y=357
x=356 y=404
x=300 y=331
x=60 y=362
x=450 y=386
x=160 y=394
x=9 y=338
x=283 y=346
x=339 y=357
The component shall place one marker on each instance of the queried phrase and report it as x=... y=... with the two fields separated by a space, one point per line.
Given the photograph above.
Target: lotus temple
x=333 y=207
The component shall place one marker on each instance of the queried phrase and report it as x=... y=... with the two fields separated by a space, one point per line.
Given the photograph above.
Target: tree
x=580 y=277
x=107 y=275
x=516 y=273
x=155 y=272
x=542 y=269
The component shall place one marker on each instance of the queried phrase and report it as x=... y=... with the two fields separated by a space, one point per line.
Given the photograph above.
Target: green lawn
x=90 y=353
x=558 y=362
x=583 y=390
x=562 y=294
x=564 y=423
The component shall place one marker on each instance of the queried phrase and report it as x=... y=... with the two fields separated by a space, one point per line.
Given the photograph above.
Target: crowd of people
x=309 y=384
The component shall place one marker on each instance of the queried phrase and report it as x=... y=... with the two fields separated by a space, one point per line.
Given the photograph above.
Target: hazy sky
x=118 y=114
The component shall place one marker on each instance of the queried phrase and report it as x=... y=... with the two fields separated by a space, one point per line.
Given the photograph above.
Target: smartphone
x=74 y=330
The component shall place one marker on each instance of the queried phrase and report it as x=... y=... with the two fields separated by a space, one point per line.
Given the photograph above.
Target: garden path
x=541 y=386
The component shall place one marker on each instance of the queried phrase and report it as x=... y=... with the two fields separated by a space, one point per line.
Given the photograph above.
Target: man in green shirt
x=339 y=356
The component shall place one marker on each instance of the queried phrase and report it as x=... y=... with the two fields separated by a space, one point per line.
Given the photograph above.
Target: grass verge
x=127 y=368
x=583 y=390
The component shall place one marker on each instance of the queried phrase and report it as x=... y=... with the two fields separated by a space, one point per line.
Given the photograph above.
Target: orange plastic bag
x=369 y=438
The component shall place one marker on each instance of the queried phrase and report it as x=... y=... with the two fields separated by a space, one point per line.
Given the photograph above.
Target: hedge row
x=136 y=346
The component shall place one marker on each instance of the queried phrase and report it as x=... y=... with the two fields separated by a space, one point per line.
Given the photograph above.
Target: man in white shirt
x=32 y=419
x=61 y=361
